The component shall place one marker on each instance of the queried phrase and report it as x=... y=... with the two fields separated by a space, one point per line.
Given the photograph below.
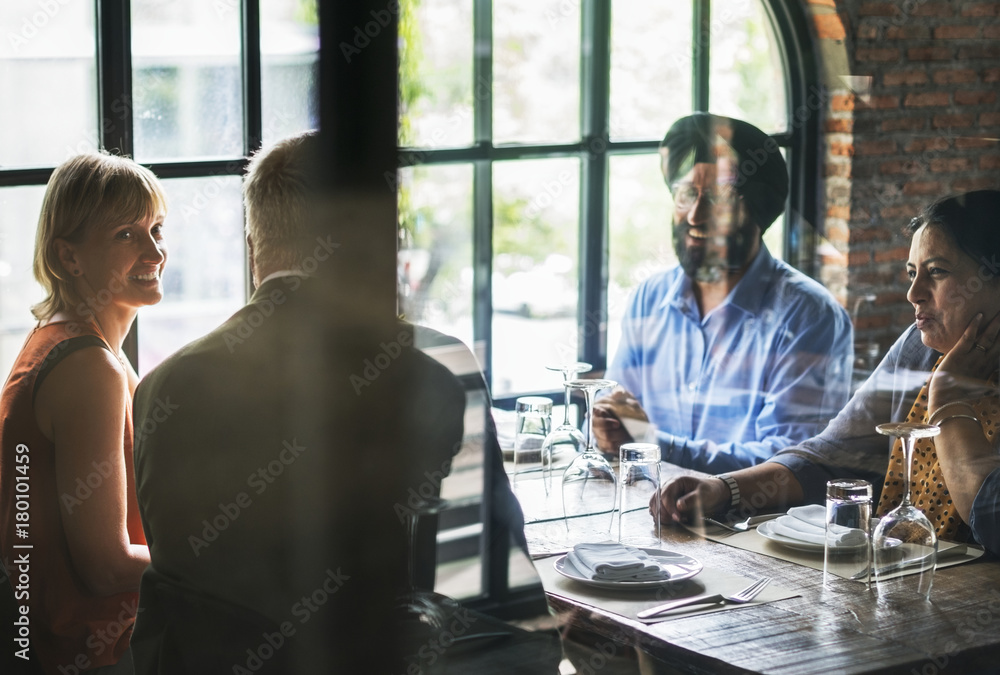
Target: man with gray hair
x=731 y=355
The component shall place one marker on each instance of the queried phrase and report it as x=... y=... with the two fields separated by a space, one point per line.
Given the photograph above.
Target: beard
x=718 y=256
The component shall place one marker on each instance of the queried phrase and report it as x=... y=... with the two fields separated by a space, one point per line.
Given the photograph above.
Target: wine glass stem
x=589 y=395
x=411 y=554
x=566 y=376
x=907 y=468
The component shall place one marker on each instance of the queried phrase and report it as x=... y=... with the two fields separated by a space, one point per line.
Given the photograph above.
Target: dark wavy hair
x=972 y=220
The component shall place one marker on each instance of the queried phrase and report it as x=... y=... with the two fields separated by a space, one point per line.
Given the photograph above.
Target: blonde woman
x=66 y=475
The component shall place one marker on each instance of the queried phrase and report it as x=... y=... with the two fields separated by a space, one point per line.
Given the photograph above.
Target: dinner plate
x=679 y=565
x=766 y=530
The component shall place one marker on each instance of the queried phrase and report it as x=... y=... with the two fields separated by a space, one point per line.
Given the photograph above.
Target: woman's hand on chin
x=969 y=370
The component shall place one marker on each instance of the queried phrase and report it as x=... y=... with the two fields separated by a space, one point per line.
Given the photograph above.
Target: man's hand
x=609 y=432
x=688 y=498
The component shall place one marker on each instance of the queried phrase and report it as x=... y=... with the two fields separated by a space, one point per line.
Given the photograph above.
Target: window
x=531 y=200
x=188 y=88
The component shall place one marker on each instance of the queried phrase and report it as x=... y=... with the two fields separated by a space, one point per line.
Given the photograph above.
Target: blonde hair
x=87 y=192
x=276 y=196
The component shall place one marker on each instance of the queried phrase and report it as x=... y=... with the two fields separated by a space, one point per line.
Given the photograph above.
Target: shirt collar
x=747 y=295
x=282 y=273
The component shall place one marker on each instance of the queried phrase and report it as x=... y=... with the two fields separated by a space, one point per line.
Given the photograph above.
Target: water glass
x=639 y=467
x=848 y=530
x=534 y=420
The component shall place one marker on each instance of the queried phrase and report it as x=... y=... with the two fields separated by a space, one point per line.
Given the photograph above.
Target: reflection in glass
x=650 y=67
x=747 y=76
x=536 y=71
x=19 y=209
x=186 y=82
x=204 y=280
x=48 y=64
x=435 y=73
x=639 y=216
x=289 y=46
x=435 y=253
x=536 y=208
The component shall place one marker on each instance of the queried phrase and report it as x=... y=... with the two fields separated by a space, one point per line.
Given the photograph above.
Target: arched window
x=531 y=200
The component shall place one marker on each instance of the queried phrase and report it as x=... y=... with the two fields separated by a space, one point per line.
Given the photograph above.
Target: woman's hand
x=969 y=370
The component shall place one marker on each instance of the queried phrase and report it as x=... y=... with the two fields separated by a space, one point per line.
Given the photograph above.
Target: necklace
x=111 y=347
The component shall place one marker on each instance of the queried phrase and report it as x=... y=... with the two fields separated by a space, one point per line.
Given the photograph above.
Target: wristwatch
x=734 y=490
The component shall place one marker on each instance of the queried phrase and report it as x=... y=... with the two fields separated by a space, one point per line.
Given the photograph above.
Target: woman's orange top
x=70 y=628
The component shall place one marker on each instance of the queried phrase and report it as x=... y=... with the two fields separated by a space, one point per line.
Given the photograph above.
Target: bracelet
x=734 y=490
x=960 y=416
x=936 y=418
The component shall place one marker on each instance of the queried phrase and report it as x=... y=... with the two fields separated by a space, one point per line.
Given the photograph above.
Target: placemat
x=628 y=602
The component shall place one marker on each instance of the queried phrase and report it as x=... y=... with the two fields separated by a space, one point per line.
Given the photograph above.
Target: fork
x=741 y=526
x=739 y=598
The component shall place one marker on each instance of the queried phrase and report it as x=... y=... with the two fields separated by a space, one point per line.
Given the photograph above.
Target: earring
x=76 y=272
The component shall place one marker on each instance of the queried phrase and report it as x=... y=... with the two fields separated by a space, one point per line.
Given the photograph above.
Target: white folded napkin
x=808 y=523
x=615 y=562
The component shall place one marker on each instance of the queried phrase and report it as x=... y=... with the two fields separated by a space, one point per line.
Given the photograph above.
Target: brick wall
x=913 y=114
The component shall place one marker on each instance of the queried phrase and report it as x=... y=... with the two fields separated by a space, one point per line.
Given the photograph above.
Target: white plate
x=766 y=530
x=679 y=565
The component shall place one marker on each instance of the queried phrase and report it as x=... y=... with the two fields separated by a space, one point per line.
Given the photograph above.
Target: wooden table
x=841 y=629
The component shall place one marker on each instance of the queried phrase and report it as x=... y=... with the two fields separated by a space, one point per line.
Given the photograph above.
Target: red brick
x=899 y=166
x=839 y=149
x=869 y=234
x=831 y=170
x=950 y=164
x=893 y=254
x=880 y=54
x=970 y=184
x=929 y=54
x=927 y=99
x=903 y=124
x=991 y=32
x=954 y=76
x=987 y=51
x=907 y=32
x=989 y=119
x=988 y=162
x=871 y=321
x=867 y=30
x=842 y=212
x=966 y=97
x=970 y=143
x=923 y=187
x=956 y=32
x=898 y=212
x=842 y=102
x=886 y=147
x=924 y=144
x=991 y=75
x=838 y=126
x=880 y=102
x=941 y=9
x=953 y=121
x=829 y=27
x=877 y=9
x=895 y=78
x=981 y=9
x=860 y=257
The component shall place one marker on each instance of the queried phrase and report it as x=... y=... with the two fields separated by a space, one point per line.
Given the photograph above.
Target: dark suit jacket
x=274 y=458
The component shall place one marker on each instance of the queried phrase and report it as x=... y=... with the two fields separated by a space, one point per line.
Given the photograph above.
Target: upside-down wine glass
x=420 y=604
x=589 y=485
x=904 y=537
x=566 y=438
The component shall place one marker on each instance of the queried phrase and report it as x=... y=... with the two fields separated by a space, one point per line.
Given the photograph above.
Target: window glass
x=19 y=209
x=639 y=229
x=650 y=67
x=435 y=78
x=435 y=258
x=205 y=277
x=536 y=211
x=747 y=77
x=289 y=45
x=48 y=65
x=186 y=82
x=536 y=71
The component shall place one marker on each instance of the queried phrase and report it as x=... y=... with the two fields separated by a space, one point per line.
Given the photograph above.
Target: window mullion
x=595 y=69
x=701 y=61
x=253 y=121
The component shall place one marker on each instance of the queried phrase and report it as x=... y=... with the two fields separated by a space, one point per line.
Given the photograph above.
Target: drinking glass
x=534 y=419
x=418 y=604
x=565 y=439
x=848 y=512
x=589 y=485
x=904 y=537
x=639 y=467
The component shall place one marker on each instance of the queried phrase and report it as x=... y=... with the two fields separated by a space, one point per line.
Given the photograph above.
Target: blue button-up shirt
x=768 y=367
